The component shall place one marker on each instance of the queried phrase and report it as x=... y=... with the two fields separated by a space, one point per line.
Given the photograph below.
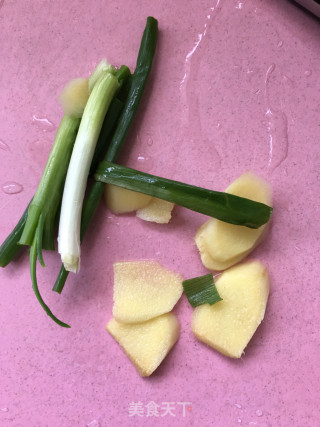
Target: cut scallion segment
x=201 y=290
x=223 y=206
x=78 y=171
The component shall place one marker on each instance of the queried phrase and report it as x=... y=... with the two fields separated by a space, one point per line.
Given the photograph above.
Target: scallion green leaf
x=33 y=273
x=201 y=290
x=223 y=206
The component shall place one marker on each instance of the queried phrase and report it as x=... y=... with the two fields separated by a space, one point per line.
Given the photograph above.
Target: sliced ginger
x=157 y=210
x=143 y=290
x=120 y=200
x=222 y=245
x=147 y=343
x=228 y=325
x=74 y=97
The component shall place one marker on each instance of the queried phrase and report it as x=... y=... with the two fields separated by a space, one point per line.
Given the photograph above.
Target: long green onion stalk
x=223 y=206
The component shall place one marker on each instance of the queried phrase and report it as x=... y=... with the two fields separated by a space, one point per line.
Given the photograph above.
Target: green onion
x=78 y=171
x=201 y=290
x=139 y=78
x=223 y=206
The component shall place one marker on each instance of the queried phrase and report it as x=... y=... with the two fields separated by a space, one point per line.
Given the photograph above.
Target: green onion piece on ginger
x=78 y=171
x=223 y=206
x=201 y=290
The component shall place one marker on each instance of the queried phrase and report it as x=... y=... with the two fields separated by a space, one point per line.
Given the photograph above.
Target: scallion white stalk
x=78 y=171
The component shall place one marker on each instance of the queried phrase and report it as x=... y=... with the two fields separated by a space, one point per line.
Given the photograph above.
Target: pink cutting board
x=235 y=86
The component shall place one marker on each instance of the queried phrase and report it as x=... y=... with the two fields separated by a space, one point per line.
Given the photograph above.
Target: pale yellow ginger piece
x=228 y=325
x=147 y=343
x=74 y=97
x=209 y=262
x=158 y=210
x=143 y=290
x=222 y=245
x=120 y=200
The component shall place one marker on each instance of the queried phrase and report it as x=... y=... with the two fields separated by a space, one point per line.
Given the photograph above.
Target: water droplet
x=219 y=126
x=297 y=248
x=253 y=423
x=43 y=123
x=277 y=127
x=146 y=163
x=269 y=72
x=4 y=409
x=93 y=423
x=150 y=141
x=308 y=73
x=259 y=413
x=239 y=420
x=239 y=5
x=112 y=220
x=12 y=188
x=4 y=146
x=237 y=405
x=280 y=43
